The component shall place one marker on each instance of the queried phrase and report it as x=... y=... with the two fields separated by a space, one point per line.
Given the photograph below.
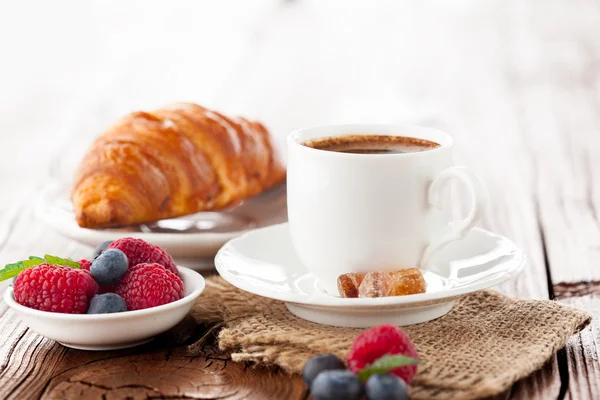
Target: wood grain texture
x=560 y=109
x=583 y=352
x=170 y=374
x=145 y=372
x=556 y=98
x=515 y=82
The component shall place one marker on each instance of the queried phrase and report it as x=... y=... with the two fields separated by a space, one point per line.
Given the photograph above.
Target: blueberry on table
x=100 y=248
x=109 y=267
x=385 y=387
x=107 y=303
x=317 y=364
x=336 y=384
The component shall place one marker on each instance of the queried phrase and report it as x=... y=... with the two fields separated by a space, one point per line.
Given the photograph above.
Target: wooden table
x=517 y=83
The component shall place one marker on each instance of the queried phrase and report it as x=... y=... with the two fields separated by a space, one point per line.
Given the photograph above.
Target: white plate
x=110 y=331
x=192 y=240
x=264 y=262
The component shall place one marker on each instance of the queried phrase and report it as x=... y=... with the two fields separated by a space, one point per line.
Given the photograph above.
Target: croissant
x=177 y=160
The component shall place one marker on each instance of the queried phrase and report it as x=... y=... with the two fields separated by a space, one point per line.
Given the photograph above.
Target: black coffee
x=371 y=144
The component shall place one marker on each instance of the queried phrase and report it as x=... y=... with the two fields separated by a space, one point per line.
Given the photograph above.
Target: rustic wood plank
x=583 y=352
x=567 y=169
x=39 y=367
x=167 y=374
x=559 y=109
x=267 y=64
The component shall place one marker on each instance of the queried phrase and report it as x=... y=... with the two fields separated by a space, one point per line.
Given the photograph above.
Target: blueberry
x=336 y=384
x=100 y=248
x=318 y=364
x=385 y=387
x=109 y=267
x=107 y=303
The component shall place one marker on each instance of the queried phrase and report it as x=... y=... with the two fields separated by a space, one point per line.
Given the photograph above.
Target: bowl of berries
x=129 y=293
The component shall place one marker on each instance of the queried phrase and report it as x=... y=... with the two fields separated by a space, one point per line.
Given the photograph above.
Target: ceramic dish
x=192 y=240
x=110 y=331
x=264 y=262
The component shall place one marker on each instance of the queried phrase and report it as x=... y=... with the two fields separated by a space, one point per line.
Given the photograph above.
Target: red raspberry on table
x=139 y=251
x=53 y=288
x=379 y=341
x=149 y=285
x=84 y=264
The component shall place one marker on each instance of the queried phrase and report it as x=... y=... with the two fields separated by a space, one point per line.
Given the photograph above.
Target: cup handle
x=458 y=229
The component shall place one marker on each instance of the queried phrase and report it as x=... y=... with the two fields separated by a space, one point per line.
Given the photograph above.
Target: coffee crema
x=371 y=144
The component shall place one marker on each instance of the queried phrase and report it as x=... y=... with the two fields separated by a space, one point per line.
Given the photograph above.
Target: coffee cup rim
x=398 y=129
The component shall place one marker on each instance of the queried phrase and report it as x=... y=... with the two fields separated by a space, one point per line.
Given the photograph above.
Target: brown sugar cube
x=376 y=284
x=348 y=284
x=408 y=281
x=404 y=282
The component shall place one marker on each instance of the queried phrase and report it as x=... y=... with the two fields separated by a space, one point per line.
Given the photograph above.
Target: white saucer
x=264 y=262
x=192 y=240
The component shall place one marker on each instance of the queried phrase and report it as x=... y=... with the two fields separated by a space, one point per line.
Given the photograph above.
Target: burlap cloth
x=486 y=343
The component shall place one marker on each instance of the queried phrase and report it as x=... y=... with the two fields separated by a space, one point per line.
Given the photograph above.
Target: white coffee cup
x=373 y=212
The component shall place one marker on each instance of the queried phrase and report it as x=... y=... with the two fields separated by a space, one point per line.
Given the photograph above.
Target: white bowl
x=110 y=331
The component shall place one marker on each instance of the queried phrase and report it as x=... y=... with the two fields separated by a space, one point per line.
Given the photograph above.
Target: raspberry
x=84 y=264
x=139 y=251
x=58 y=289
x=379 y=341
x=149 y=285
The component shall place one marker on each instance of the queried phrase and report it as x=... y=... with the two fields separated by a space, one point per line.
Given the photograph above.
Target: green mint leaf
x=31 y=262
x=14 y=269
x=72 y=264
x=61 y=261
x=385 y=364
